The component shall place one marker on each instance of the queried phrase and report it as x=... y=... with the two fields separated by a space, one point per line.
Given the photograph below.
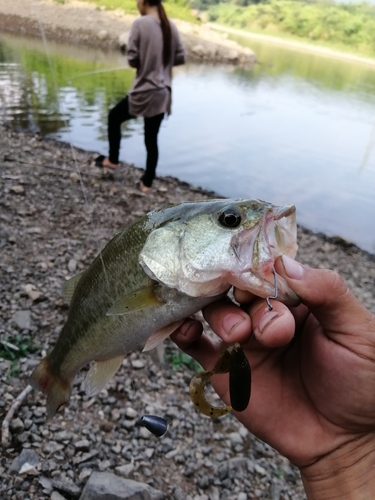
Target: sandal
x=99 y=163
x=144 y=189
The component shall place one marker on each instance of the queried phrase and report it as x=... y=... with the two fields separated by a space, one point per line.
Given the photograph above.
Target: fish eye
x=230 y=218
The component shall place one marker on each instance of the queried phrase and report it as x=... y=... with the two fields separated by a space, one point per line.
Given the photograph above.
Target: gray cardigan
x=150 y=93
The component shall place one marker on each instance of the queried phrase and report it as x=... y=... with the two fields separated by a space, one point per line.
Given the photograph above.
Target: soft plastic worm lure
x=239 y=380
x=234 y=361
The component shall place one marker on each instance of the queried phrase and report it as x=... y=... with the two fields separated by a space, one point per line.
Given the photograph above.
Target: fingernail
x=185 y=327
x=266 y=320
x=231 y=321
x=292 y=268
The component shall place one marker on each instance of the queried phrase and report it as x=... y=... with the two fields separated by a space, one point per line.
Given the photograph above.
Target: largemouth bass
x=155 y=273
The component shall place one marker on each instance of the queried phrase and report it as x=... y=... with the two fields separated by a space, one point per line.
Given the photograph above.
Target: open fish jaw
x=201 y=256
x=257 y=250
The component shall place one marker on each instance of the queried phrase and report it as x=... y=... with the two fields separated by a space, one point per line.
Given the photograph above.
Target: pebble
x=235 y=438
x=33 y=293
x=17 y=189
x=84 y=474
x=46 y=483
x=63 y=436
x=57 y=496
x=28 y=469
x=67 y=487
x=22 y=319
x=85 y=457
x=260 y=470
x=138 y=364
x=29 y=457
x=16 y=426
x=82 y=445
x=72 y=265
x=130 y=413
x=52 y=447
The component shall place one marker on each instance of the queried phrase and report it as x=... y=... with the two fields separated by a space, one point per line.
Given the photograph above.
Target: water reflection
x=297 y=128
x=324 y=72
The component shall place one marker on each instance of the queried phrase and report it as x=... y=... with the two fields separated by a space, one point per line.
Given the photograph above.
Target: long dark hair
x=166 y=29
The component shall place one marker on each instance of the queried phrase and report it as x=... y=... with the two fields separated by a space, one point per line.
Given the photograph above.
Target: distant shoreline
x=82 y=23
x=294 y=44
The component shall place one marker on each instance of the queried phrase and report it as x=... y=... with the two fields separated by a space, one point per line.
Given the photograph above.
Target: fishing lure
x=234 y=361
x=239 y=379
x=158 y=426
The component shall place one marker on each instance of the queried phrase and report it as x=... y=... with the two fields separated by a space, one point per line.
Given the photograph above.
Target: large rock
x=123 y=40
x=107 y=486
x=26 y=457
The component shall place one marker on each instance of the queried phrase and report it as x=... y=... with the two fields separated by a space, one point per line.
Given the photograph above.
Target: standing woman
x=154 y=47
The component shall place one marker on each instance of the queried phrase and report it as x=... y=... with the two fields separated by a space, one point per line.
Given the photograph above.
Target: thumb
x=326 y=295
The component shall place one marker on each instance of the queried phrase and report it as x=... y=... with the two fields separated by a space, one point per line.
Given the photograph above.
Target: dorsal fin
x=141 y=299
x=69 y=286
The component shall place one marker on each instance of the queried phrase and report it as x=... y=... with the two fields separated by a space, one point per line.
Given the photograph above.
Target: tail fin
x=57 y=390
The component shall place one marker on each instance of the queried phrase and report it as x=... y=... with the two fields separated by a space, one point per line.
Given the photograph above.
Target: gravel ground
x=51 y=228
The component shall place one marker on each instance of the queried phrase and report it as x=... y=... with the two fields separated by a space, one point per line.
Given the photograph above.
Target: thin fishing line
x=59 y=169
x=53 y=74
x=78 y=170
x=96 y=72
x=368 y=150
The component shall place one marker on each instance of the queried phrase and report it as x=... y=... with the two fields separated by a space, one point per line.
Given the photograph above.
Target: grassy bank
x=345 y=27
x=349 y=27
x=178 y=9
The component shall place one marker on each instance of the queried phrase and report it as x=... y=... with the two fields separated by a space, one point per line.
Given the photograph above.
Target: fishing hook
x=276 y=292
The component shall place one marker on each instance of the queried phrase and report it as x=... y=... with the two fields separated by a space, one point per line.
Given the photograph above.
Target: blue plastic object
x=157 y=425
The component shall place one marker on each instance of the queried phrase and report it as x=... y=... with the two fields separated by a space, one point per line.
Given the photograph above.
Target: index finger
x=243 y=296
x=228 y=321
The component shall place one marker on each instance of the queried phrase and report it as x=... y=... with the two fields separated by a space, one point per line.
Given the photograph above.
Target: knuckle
x=334 y=283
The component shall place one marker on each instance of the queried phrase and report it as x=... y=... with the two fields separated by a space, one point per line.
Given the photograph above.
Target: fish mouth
x=285 y=211
x=257 y=248
x=282 y=240
x=281 y=228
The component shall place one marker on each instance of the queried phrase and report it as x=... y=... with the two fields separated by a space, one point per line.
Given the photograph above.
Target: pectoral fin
x=69 y=286
x=100 y=373
x=136 y=301
x=160 y=335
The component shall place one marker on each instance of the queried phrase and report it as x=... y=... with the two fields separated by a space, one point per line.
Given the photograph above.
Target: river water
x=297 y=128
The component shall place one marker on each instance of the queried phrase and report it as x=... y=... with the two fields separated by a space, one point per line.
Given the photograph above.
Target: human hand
x=313 y=377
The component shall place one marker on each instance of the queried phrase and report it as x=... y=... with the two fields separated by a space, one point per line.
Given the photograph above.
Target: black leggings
x=118 y=115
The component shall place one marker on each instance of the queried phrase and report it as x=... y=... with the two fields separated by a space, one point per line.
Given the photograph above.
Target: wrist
x=347 y=473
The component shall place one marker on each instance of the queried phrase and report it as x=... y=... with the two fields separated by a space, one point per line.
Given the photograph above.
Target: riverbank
x=83 y=23
x=294 y=44
x=52 y=226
